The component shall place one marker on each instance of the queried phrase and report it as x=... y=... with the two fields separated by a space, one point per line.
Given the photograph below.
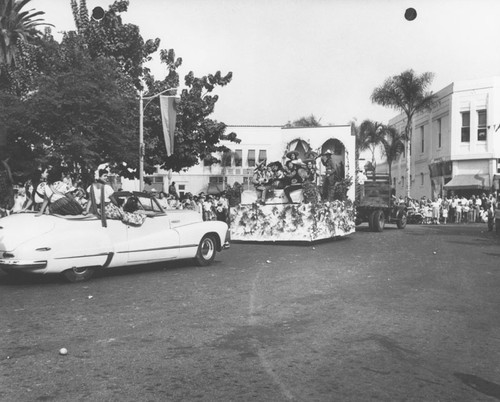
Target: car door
x=153 y=241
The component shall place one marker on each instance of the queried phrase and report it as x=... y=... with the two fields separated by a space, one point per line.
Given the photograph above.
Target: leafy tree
x=392 y=146
x=110 y=37
x=16 y=25
x=309 y=121
x=408 y=94
x=196 y=135
x=370 y=135
x=84 y=115
x=75 y=103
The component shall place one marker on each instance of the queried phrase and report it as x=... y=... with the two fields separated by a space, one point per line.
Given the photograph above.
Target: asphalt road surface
x=403 y=315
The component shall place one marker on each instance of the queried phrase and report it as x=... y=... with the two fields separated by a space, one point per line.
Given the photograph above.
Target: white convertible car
x=77 y=245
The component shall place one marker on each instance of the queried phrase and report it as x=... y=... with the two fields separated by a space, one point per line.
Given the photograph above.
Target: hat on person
x=276 y=163
x=260 y=165
x=306 y=161
x=290 y=153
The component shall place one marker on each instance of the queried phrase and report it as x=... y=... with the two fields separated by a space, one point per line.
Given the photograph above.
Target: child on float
x=294 y=157
x=310 y=165
x=277 y=175
x=295 y=180
x=261 y=179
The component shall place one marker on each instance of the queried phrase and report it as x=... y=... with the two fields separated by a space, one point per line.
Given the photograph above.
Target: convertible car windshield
x=146 y=202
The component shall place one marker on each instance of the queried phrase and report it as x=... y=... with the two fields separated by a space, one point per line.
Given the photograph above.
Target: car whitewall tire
x=78 y=274
x=206 y=250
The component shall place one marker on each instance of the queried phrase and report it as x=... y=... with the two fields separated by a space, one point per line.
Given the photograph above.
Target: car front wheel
x=78 y=274
x=206 y=250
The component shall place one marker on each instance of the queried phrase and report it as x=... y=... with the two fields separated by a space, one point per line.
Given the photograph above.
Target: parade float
x=317 y=209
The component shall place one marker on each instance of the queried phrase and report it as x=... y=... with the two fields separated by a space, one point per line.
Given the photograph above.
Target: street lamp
x=141 y=131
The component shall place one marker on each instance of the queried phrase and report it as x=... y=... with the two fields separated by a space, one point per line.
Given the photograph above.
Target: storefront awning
x=215 y=188
x=469 y=182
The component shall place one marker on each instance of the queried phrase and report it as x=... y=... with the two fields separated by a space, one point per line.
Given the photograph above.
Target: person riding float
x=262 y=181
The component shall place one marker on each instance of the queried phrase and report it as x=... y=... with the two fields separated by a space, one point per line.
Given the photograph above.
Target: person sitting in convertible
x=58 y=195
x=132 y=215
x=101 y=198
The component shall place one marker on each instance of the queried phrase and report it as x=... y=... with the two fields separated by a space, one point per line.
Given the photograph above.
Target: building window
x=262 y=155
x=421 y=179
x=238 y=157
x=481 y=125
x=422 y=138
x=226 y=158
x=438 y=126
x=182 y=190
x=215 y=179
x=402 y=181
x=251 y=157
x=465 y=126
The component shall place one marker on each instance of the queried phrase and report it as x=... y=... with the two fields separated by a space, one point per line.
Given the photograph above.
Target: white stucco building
x=456 y=146
x=259 y=143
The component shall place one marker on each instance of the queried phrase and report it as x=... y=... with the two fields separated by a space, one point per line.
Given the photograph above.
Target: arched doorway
x=338 y=154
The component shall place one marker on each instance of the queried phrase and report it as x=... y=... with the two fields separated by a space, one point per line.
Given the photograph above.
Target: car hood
x=17 y=229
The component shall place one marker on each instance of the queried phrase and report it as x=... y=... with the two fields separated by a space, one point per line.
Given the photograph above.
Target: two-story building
x=455 y=146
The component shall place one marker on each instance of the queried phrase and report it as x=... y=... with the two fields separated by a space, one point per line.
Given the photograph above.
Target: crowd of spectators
x=452 y=209
x=211 y=206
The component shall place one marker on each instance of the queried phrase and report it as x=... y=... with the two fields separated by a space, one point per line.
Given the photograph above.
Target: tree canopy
x=76 y=103
x=309 y=121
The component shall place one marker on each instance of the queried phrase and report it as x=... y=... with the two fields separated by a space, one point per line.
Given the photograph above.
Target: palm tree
x=393 y=146
x=16 y=25
x=406 y=93
x=369 y=137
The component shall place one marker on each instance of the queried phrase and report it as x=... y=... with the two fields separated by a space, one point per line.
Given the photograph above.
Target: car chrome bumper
x=22 y=264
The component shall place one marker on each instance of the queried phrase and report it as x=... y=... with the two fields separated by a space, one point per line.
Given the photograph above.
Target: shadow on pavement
x=479 y=384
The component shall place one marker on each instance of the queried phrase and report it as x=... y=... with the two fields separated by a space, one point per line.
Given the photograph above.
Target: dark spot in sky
x=410 y=14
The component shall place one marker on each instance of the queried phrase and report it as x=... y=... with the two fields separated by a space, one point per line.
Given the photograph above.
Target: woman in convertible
x=101 y=198
x=58 y=195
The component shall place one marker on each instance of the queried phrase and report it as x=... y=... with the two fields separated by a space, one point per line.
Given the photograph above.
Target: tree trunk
x=408 y=158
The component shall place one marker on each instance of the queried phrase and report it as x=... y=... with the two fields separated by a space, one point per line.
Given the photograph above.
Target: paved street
x=403 y=315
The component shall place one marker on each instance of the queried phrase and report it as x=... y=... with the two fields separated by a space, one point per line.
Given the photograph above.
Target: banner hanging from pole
x=168 y=118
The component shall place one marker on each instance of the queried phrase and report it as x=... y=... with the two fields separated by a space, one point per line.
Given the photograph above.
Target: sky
x=296 y=58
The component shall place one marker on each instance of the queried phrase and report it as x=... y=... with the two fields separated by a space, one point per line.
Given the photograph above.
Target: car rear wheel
x=78 y=274
x=206 y=250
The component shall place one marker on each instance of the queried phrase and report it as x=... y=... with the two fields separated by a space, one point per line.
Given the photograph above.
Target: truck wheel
x=378 y=221
x=402 y=220
x=370 y=220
